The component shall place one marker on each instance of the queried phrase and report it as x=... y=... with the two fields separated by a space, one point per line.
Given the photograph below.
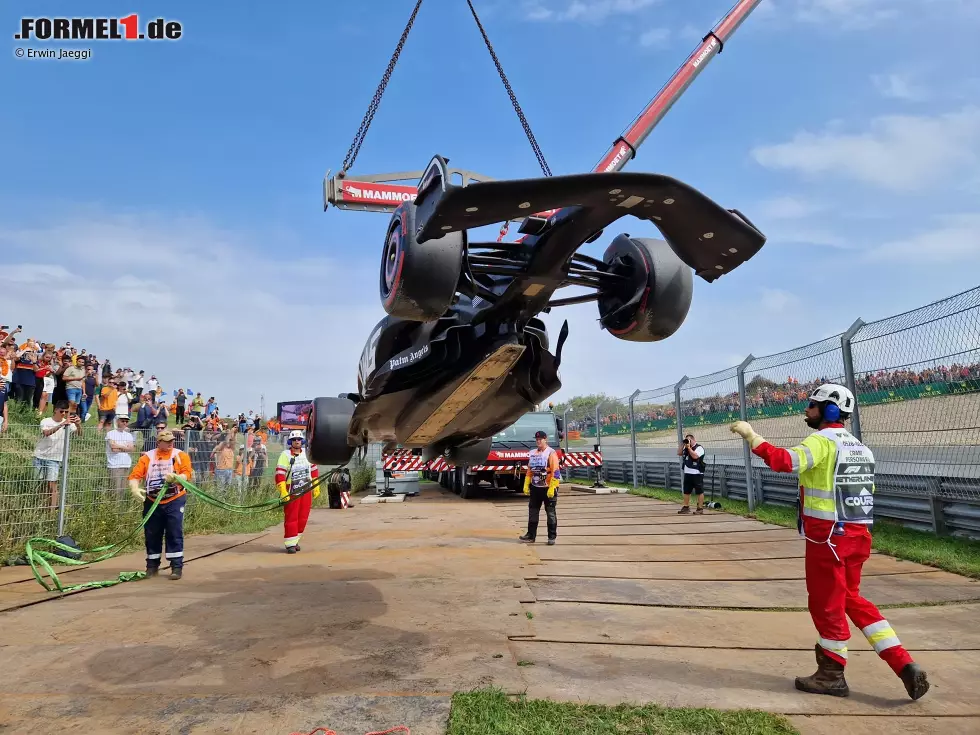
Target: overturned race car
x=463 y=353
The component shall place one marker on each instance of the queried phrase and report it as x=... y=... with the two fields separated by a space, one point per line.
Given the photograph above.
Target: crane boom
x=377 y=193
x=624 y=148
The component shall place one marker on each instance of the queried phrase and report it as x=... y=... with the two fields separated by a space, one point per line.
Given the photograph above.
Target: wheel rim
x=393 y=248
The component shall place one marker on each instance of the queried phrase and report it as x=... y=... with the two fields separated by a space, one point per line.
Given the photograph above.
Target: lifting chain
x=355 y=147
x=513 y=98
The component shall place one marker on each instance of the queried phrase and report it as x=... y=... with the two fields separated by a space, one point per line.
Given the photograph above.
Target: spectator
x=209 y=408
x=89 y=390
x=25 y=360
x=153 y=385
x=224 y=460
x=50 y=448
x=74 y=377
x=197 y=406
x=138 y=382
x=181 y=403
x=108 y=397
x=122 y=398
x=260 y=461
x=194 y=433
x=118 y=444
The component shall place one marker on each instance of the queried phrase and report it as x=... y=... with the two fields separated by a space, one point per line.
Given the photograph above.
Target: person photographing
x=693 y=455
x=541 y=484
x=162 y=468
x=835 y=513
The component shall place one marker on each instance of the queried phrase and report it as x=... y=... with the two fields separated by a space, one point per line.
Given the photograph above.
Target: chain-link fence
x=916 y=377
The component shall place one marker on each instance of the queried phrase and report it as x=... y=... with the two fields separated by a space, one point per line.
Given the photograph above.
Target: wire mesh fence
x=918 y=381
x=916 y=377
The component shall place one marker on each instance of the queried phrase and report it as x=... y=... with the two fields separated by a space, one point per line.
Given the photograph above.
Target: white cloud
x=898 y=152
x=584 y=11
x=899 y=87
x=655 y=37
x=787 y=207
x=778 y=300
x=955 y=242
x=202 y=308
x=854 y=15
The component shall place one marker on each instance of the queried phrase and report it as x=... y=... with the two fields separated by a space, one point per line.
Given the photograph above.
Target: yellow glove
x=137 y=492
x=283 y=492
x=172 y=478
x=527 y=484
x=553 y=487
x=744 y=430
x=316 y=492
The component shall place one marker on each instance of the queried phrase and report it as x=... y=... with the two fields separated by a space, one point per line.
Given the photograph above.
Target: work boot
x=551 y=542
x=915 y=680
x=699 y=512
x=297 y=547
x=828 y=679
x=152 y=571
x=527 y=539
x=291 y=549
x=176 y=573
x=685 y=510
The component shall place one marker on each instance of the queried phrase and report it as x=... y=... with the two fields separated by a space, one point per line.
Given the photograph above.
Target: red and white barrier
x=403 y=460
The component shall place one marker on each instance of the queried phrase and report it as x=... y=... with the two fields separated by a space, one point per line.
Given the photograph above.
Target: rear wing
x=381 y=192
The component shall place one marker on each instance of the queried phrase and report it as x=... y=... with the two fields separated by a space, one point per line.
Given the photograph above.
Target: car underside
x=463 y=352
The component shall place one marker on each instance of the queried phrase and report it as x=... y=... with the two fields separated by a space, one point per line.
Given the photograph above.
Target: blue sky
x=162 y=203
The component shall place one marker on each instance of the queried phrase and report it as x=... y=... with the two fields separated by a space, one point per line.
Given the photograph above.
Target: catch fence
x=916 y=377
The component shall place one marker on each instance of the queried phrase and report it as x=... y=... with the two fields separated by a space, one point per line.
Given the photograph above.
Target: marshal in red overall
x=836 y=509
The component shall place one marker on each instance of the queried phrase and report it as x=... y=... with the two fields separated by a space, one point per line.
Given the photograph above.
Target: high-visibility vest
x=836 y=477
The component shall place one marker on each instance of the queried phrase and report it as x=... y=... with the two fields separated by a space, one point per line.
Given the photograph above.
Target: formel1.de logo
x=98 y=29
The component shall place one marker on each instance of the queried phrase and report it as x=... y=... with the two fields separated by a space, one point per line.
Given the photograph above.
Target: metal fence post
x=633 y=436
x=598 y=445
x=63 y=489
x=680 y=422
x=845 y=345
x=564 y=423
x=743 y=414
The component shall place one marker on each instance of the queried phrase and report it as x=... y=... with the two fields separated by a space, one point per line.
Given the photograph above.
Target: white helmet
x=294 y=434
x=836 y=394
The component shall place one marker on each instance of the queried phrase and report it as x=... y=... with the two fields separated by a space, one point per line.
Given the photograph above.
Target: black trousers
x=539 y=496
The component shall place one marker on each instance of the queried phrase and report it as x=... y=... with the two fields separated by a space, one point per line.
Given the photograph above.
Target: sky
x=162 y=203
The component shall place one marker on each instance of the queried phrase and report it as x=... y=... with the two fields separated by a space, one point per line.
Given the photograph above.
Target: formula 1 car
x=463 y=353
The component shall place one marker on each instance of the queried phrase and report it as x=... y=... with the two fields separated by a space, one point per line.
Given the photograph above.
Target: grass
x=957 y=555
x=491 y=712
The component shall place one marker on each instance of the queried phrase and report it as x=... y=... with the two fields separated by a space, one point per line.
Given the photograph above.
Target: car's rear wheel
x=418 y=280
x=326 y=431
x=654 y=300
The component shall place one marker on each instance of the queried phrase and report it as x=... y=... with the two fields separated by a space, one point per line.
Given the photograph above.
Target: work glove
x=316 y=492
x=553 y=487
x=527 y=484
x=744 y=430
x=137 y=492
x=172 y=478
x=283 y=492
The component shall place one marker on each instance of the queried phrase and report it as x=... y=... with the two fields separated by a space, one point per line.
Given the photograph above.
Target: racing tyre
x=326 y=431
x=418 y=280
x=653 y=302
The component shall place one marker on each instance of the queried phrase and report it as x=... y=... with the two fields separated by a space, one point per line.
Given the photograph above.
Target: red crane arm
x=624 y=149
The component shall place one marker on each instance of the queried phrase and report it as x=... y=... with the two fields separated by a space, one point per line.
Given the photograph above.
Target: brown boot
x=915 y=680
x=828 y=679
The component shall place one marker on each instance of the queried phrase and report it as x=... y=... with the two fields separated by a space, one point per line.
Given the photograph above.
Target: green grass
x=957 y=555
x=491 y=712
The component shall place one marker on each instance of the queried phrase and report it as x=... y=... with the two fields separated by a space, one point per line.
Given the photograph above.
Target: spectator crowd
x=761 y=393
x=127 y=407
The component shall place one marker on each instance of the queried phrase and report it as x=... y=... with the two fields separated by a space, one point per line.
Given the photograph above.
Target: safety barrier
x=927 y=504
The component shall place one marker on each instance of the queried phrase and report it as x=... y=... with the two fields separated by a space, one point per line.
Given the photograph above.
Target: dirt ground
x=390 y=608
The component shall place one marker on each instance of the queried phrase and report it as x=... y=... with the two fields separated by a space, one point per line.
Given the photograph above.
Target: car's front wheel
x=326 y=431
